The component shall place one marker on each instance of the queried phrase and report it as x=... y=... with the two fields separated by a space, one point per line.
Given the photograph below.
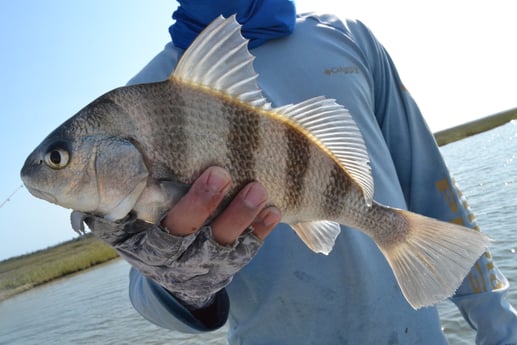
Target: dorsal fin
x=219 y=59
x=334 y=129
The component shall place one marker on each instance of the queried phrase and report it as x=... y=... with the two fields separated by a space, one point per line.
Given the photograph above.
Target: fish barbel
x=138 y=148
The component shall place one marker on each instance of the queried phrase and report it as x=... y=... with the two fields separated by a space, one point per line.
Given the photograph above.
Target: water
x=88 y=308
x=93 y=307
x=485 y=167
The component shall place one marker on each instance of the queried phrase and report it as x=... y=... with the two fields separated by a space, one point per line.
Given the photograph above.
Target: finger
x=189 y=214
x=239 y=214
x=266 y=221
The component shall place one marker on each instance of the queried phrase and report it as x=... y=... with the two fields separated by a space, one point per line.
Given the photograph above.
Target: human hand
x=192 y=260
x=205 y=195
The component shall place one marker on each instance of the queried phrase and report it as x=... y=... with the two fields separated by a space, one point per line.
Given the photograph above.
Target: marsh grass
x=21 y=273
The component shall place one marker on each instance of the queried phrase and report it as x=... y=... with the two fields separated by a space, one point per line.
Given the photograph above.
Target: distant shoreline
x=468 y=129
x=22 y=273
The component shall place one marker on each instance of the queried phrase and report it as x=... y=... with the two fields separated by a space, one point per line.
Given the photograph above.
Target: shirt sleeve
x=429 y=190
x=158 y=306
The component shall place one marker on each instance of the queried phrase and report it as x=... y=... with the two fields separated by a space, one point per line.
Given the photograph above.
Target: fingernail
x=255 y=196
x=218 y=180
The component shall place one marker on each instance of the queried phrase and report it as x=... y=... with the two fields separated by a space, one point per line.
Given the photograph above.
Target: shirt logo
x=341 y=70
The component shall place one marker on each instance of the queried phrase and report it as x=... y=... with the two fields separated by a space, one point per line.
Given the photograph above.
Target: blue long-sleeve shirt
x=290 y=295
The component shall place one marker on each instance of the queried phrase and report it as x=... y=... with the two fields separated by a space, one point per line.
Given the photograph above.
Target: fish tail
x=432 y=258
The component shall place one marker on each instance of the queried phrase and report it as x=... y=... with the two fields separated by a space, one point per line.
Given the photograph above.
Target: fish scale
x=138 y=148
x=243 y=132
x=336 y=190
x=298 y=154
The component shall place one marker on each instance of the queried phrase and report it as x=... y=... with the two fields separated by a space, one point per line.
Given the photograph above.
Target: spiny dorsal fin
x=334 y=129
x=219 y=59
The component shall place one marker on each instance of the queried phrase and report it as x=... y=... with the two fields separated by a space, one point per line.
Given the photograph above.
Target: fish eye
x=57 y=158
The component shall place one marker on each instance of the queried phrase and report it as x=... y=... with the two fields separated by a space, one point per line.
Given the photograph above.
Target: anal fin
x=319 y=236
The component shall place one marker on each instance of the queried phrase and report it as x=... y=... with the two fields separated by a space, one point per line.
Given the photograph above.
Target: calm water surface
x=93 y=307
x=485 y=167
x=89 y=308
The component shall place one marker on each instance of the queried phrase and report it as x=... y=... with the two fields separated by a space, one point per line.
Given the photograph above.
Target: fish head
x=94 y=173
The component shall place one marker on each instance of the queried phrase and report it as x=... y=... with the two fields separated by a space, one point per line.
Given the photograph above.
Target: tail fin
x=431 y=263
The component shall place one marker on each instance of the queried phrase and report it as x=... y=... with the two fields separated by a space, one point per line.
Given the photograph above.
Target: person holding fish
x=201 y=166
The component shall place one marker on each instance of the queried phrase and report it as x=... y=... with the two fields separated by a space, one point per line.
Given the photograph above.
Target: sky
x=457 y=58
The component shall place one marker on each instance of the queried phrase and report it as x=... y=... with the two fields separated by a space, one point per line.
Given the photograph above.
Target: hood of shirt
x=261 y=20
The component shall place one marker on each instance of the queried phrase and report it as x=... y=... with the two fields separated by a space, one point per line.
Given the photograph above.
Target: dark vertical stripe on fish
x=171 y=134
x=243 y=142
x=336 y=192
x=298 y=156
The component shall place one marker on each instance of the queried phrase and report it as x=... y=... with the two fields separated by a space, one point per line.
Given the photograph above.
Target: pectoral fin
x=159 y=198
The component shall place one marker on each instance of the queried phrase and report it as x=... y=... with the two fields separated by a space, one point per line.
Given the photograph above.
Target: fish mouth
x=31 y=168
x=41 y=194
